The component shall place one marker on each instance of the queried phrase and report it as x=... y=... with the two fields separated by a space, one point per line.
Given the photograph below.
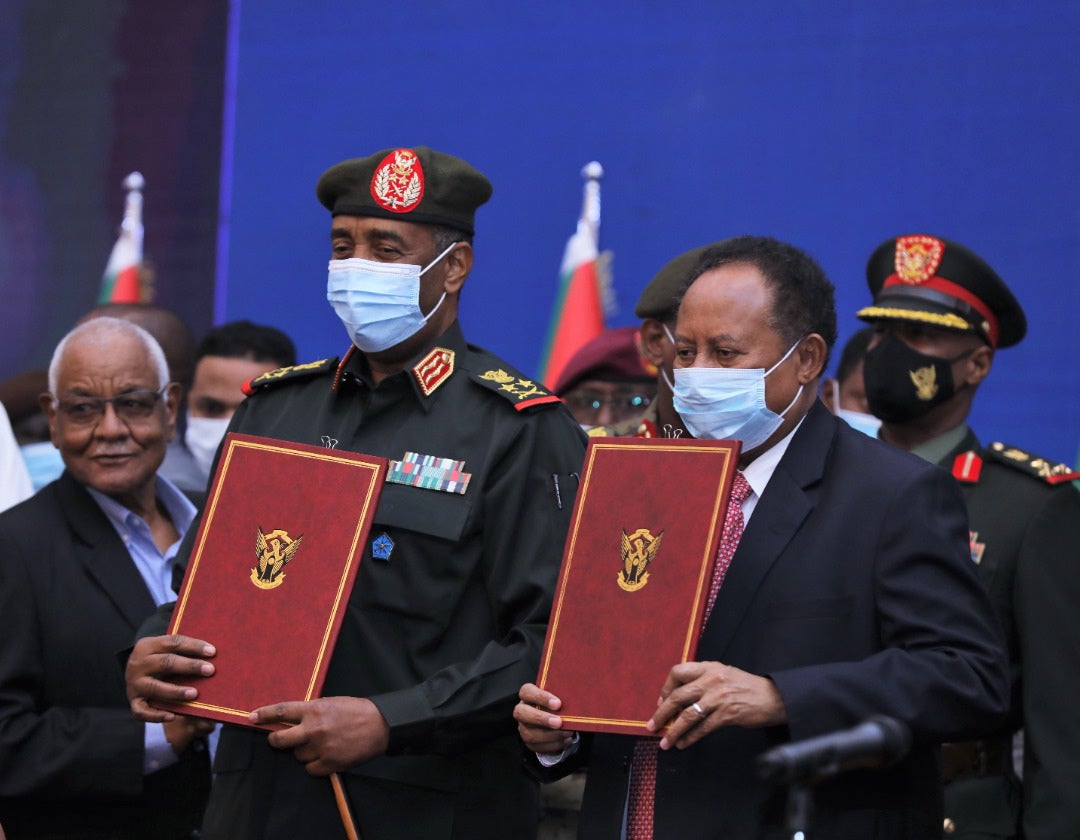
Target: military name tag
x=430 y=473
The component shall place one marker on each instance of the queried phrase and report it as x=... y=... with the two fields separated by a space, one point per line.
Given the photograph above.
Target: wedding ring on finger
x=697 y=708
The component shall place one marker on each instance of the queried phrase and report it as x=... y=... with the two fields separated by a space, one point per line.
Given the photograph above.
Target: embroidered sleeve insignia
x=1051 y=472
x=434 y=369
x=918 y=257
x=398 y=182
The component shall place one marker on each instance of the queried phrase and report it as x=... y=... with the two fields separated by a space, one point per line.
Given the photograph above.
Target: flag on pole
x=579 y=308
x=121 y=281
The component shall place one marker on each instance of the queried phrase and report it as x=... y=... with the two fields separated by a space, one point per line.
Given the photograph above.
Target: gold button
x=950 y=826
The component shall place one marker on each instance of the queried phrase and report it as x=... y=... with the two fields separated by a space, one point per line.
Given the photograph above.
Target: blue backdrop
x=830 y=125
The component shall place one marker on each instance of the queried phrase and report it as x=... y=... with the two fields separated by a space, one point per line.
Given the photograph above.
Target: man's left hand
x=329 y=734
x=699 y=697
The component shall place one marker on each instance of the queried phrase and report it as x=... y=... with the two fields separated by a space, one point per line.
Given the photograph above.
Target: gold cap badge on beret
x=398 y=182
x=933 y=280
x=411 y=184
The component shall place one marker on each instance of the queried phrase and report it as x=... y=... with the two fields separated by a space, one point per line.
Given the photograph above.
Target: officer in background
x=845 y=394
x=451 y=603
x=658 y=306
x=941 y=313
x=607 y=381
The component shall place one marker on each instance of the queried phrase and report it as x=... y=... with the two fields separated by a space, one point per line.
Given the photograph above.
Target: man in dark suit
x=941 y=313
x=849 y=595
x=85 y=561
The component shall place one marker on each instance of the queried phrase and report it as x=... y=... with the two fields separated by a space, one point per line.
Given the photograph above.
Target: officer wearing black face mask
x=941 y=312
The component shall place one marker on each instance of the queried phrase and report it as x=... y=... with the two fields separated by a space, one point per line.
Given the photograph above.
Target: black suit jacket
x=853 y=590
x=71 y=754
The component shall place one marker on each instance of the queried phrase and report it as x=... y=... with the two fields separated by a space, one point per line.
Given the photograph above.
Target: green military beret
x=933 y=280
x=660 y=298
x=413 y=185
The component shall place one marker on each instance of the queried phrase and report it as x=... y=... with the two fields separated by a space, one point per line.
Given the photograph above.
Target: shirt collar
x=180 y=509
x=761 y=469
x=935 y=449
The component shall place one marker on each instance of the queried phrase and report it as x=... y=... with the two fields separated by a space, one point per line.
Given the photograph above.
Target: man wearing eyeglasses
x=607 y=381
x=86 y=560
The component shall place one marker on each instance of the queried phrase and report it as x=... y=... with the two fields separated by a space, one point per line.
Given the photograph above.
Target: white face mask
x=728 y=403
x=203 y=436
x=868 y=424
x=379 y=303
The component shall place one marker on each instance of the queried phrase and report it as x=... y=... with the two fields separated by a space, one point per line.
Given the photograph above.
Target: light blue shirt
x=156 y=568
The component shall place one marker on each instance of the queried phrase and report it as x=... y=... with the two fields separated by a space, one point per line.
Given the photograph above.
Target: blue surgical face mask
x=203 y=436
x=868 y=424
x=728 y=403
x=379 y=303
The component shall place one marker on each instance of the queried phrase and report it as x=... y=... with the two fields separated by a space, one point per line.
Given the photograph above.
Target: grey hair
x=109 y=327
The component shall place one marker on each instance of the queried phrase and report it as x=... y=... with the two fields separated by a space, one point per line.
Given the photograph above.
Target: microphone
x=879 y=741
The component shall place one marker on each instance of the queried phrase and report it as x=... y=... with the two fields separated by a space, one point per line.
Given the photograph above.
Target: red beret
x=612 y=355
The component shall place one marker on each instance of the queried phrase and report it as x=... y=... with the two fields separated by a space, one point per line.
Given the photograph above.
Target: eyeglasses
x=622 y=406
x=132 y=407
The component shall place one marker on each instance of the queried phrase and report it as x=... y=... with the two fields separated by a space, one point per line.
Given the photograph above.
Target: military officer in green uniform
x=658 y=306
x=607 y=380
x=449 y=611
x=941 y=313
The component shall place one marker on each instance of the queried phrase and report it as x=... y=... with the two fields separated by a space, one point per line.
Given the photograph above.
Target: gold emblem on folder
x=638 y=551
x=273 y=552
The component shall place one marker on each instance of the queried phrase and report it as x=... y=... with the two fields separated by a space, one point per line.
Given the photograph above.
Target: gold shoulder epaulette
x=288 y=374
x=523 y=393
x=1051 y=472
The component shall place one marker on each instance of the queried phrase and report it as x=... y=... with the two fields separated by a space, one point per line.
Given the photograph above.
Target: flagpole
x=592 y=172
x=133 y=209
x=121 y=282
x=578 y=314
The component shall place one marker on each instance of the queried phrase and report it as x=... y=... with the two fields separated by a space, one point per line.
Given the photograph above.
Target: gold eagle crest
x=917 y=258
x=638 y=551
x=273 y=552
x=925 y=381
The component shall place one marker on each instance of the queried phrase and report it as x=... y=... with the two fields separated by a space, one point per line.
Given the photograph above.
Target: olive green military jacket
x=450 y=607
x=1024 y=517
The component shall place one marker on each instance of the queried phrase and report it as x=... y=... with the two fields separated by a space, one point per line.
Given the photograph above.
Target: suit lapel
x=103 y=554
x=779 y=514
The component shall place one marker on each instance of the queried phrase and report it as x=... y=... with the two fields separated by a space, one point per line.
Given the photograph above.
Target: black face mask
x=902 y=383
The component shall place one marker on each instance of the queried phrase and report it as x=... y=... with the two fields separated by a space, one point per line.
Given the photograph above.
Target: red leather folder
x=274 y=561
x=635 y=575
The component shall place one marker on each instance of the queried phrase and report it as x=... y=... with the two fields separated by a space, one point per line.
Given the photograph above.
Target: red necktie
x=639 y=813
